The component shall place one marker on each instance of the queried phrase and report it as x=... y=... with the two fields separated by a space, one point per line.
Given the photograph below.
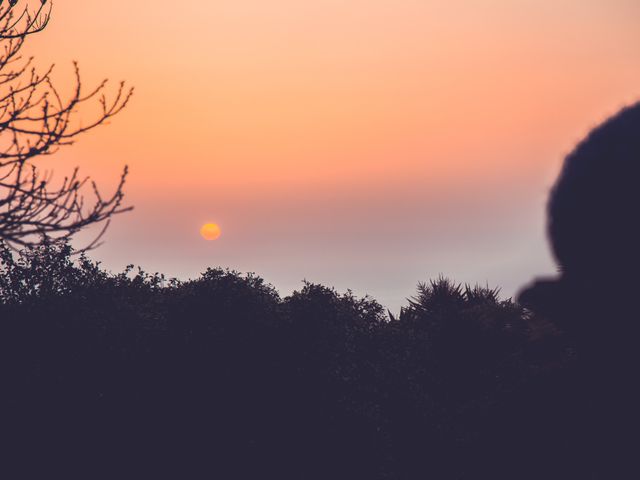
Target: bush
x=223 y=376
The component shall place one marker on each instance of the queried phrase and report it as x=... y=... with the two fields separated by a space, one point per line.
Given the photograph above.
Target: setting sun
x=210 y=231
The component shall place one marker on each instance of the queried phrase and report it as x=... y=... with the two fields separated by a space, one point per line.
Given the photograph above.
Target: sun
x=210 y=231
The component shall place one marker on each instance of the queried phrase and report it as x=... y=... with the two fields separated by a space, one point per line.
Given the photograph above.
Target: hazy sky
x=361 y=144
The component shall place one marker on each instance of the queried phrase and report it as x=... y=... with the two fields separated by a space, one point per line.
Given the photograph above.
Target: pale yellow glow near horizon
x=210 y=231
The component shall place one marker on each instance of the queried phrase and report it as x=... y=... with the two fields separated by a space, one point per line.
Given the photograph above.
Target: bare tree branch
x=36 y=120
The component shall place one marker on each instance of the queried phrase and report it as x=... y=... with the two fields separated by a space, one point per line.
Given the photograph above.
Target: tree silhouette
x=221 y=376
x=36 y=120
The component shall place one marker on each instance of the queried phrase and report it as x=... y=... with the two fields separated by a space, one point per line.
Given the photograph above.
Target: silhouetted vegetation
x=594 y=233
x=221 y=376
x=36 y=120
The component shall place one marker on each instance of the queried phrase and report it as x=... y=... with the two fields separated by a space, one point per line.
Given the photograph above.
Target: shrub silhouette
x=593 y=207
x=593 y=224
x=593 y=229
x=221 y=376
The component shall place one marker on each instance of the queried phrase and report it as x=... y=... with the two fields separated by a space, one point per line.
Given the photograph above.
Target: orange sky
x=360 y=144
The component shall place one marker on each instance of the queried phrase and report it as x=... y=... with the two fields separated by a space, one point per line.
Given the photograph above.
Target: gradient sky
x=360 y=144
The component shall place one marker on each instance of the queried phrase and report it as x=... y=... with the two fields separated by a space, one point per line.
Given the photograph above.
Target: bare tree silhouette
x=36 y=120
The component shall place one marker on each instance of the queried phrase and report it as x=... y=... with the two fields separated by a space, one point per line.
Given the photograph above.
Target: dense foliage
x=131 y=372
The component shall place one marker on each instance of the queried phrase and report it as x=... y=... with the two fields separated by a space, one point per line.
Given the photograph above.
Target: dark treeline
x=131 y=375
